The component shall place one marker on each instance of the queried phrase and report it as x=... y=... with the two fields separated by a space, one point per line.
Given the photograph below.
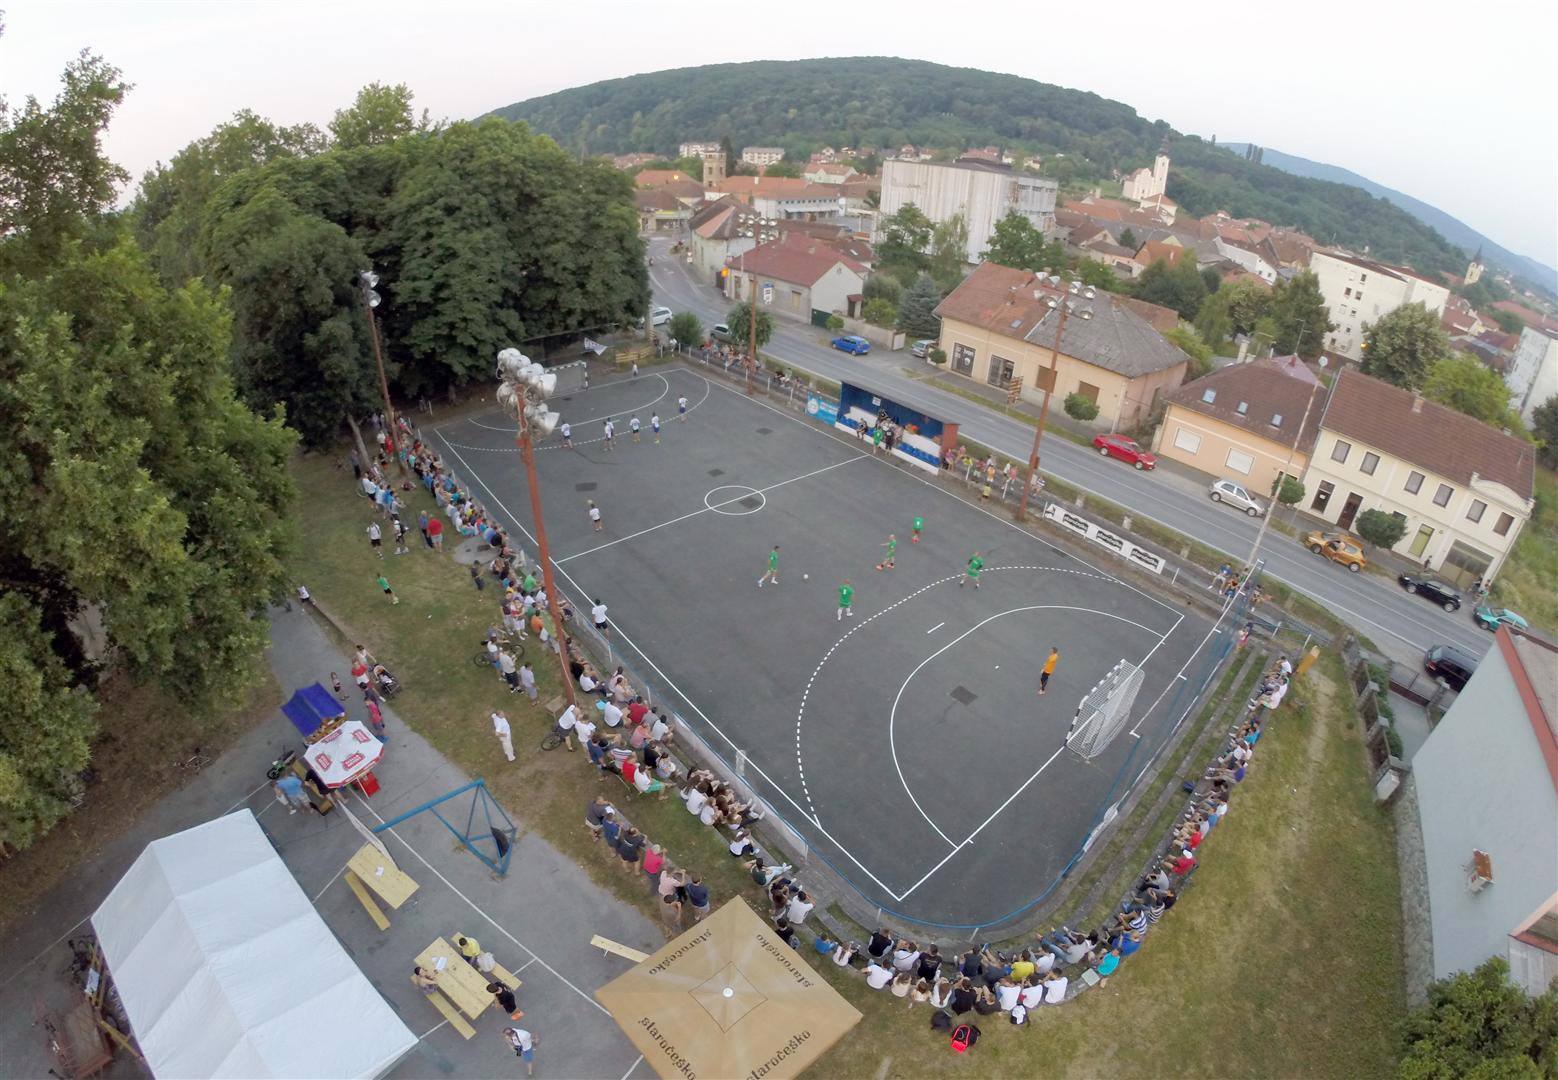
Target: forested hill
x=803 y=105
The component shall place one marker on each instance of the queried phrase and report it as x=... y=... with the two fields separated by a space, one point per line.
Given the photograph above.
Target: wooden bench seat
x=627 y=952
x=360 y=890
x=450 y=1013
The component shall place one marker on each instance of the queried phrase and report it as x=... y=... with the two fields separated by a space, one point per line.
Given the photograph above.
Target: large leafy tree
x=906 y=233
x=1380 y=529
x=1470 y=386
x=1300 y=315
x=1016 y=243
x=739 y=319
x=1403 y=345
x=949 y=249
x=1544 y=425
x=1235 y=308
x=380 y=114
x=1179 y=287
x=917 y=312
x=1479 y=1024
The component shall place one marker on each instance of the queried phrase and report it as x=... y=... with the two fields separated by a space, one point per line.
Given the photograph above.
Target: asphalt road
x=1397 y=622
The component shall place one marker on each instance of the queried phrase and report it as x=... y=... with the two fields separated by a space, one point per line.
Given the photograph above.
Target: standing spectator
x=629 y=847
x=598 y=617
x=376 y=721
x=435 y=529
x=477 y=580
x=595 y=814
x=611 y=830
x=1220 y=579
x=527 y=679
x=698 y=898
x=671 y=915
x=509 y=670
x=304 y=597
x=422 y=525
x=524 y=1045
x=289 y=789
x=376 y=538
x=500 y=728
x=400 y=536
x=654 y=862
x=594 y=515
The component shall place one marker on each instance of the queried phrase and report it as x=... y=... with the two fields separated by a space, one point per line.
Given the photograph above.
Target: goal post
x=1104 y=711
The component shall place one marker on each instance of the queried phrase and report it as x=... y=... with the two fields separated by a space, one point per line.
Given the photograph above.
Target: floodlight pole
x=378 y=357
x=1038 y=432
x=1260 y=534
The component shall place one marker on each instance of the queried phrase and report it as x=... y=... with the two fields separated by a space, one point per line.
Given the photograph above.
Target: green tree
x=1380 y=529
x=1128 y=239
x=1479 y=1024
x=54 y=180
x=1016 y=243
x=1403 y=345
x=1080 y=408
x=1301 y=315
x=880 y=312
x=1190 y=343
x=949 y=249
x=739 y=319
x=906 y=233
x=835 y=323
x=686 y=329
x=1212 y=279
x=883 y=287
x=1096 y=274
x=380 y=114
x=1290 y=492
x=917 y=314
x=1179 y=287
x=786 y=169
x=1507 y=321
x=1544 y=426
x=1466 y=384
x=729 y=151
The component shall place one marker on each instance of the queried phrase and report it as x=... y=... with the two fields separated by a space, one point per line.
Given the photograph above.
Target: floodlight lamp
x=368 y=278
x=508 y=397
x=544 y=383
x=545 y=425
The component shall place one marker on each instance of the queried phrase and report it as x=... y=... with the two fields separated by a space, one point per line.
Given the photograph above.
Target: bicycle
x=483 y=658
x=196 y=761
x=552 y=739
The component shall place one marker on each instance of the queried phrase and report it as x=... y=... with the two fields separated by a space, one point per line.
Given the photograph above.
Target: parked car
x=921 y=347
x=1450 y=664
x=1438 y=591
x=1338 y=547
x=659 y=315
x=852 y=343
x=1236 y=496
x=1492 y=618
x=720 y=332
x=1126 y=449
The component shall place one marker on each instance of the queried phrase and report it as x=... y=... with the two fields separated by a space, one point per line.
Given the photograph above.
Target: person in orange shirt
x=1049 y=669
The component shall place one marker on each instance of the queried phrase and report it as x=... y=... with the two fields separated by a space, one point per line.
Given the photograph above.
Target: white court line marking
x=573 y=444
x=594 y=419
x=667 y=680
x=715 y=507
x=892 y=716
x=482 y=912
x=633 y=1066
x=933 y=629
x=912 y=474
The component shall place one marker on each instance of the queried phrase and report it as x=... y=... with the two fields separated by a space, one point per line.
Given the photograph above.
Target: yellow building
x=999 y=326
x=1242 y=422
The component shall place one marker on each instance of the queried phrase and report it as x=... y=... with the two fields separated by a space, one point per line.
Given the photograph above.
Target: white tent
x=226 y=969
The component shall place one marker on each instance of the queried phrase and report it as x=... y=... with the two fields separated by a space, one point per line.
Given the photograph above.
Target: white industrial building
x=984 y=192
x=1532 y=375
x=1359 y=290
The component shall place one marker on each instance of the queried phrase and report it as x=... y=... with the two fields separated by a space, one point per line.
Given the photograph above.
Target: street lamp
x=523 y=389
x=370 y=300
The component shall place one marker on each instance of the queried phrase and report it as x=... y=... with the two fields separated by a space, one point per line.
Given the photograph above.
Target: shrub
x=937 y=356
x=880 y=312
x=1291 y=492
x=1381 y=529
x=686 y=329
x=1080 y=408
x=1478 y=1023
x=835 y=323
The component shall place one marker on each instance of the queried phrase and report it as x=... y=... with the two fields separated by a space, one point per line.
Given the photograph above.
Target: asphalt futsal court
x=907 y=743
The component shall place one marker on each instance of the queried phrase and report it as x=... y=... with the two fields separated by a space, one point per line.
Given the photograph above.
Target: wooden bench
x=450 y=1013
x=501 y=974
x=360 y=890
x=627 y=952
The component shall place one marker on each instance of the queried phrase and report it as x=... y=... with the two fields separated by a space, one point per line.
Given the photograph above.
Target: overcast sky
x=1449 y=102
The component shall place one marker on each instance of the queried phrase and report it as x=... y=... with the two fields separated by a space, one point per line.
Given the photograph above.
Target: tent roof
x=728 y=998
x=310 y=707
x=226 y=969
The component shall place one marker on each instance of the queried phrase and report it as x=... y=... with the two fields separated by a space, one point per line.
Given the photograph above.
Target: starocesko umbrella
x=344 y=755
x=728 y=998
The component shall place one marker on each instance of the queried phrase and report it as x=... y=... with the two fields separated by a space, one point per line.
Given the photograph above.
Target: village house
x=795 y=276
x=781 y=197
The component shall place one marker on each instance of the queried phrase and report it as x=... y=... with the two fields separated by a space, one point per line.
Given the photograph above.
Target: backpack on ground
x=941 y=1020
x=964 y=1036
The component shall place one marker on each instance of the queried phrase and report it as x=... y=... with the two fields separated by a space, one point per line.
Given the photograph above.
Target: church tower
x=1475 y=268
x=713 y=169
x=1160 y=166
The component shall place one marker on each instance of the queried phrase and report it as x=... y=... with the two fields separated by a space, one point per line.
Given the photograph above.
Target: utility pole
x=1038 y=432
x=751 y=328
x=1260 y=534
x=370 y=300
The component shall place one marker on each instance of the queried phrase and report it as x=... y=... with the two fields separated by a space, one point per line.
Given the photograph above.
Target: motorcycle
x=281 y=765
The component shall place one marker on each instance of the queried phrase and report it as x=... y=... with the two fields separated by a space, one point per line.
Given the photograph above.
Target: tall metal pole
x=544 y=552
x=1038 y=432
x=1260 y=533
x=389 y=409
x=751 y=327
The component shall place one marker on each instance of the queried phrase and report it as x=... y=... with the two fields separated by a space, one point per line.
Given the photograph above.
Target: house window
x=1089 y=391
x=1187 y=440
x=1000 y=372
x=1414 y=482
x=795 y=300
x=1442 y=496
x=1504 y=522
x=1209 y=396
x=1240 y=462
x=1244 y=408
x=1347 y=291
x=1478 y=508
x=1370 y=463
x=962 y=359
x=1276 y=419
x=1322 y=496
x=1362 y=278
x=1340 y=451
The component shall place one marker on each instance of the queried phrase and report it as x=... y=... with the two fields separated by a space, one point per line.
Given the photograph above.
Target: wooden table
x=381 y=875
x=463 y=984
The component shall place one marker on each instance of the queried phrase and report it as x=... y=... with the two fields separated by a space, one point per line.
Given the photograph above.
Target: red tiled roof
x=1428 y=434
x=653 y=178
x=1161 y=319
x=794 y=263
x=1266 y=388
x=655 y=200
x=1153 y=250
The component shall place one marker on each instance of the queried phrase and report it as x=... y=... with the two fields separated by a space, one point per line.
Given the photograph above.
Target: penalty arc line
x=594 y=419
x=690 y=703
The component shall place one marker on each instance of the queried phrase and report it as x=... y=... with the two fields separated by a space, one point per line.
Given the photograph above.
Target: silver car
x=1236 y=496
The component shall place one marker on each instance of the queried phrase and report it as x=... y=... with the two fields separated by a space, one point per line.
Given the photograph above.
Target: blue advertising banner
x=823 y=409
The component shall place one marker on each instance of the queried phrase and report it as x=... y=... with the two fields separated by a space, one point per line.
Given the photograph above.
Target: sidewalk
x=537 y=922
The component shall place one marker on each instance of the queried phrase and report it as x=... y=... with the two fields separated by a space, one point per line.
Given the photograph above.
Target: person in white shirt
x=584 y=729
x=658 y=728
x=844 y=954
x=1045 y=963
x=595 y=515
x=695 y=800
x=567 y=723
x=709 y=814
x=566 y=431
x=1055 y=989
x=681 y=409
x=800 y=907
x=500 y=728
x=633 y=425
x=527 y=679
x=611 y=714
x=1007 y=994
x=587 y=682
x=878 y=975
x=611 y=433
x=524 y=1046
x=375 y=538
x=906 y=956
x=1033 y=995
x=598 y=617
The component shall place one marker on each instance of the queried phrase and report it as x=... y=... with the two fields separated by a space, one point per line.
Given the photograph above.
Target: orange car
x=1338 y=547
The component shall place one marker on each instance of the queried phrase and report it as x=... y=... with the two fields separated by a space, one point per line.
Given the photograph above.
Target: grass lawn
x=1529 y=583
x=1283 y=958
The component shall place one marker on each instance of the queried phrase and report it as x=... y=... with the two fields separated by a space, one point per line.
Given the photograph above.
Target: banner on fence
x=823 y=409
x=1131 y=553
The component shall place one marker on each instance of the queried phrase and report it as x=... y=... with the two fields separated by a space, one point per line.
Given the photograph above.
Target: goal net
x=1104 y=711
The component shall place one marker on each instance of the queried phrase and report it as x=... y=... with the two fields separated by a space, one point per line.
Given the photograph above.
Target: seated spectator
x=1032 y=993
x=930 y=962
x=879 y=945
x=941 y=993
x=800 y=906
x=903 y=982
x=1129 y=943
x=1007 y=993
x=1155 y=880
x=1055 y=988
x=1107 y=964
x=1180 y=864
x=845 y=953
x=645 y=782
x=1044 y=962
x=962 y=996
x=741 y=844
x=920 y=993
x=970 y=964
x=906 y=956
x=695 y=798
x=1022 y=967
x=787 y=935
x=824 y=944
x=985 y=1003
x=878 y=975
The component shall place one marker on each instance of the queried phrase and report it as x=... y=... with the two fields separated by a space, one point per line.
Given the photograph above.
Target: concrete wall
x=1214 y=440
x=941 y=190
x=1532 y=376
x=1482 y=784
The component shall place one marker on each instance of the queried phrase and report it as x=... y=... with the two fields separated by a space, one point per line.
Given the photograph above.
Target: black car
x=1450 y=664
x=1440 y=593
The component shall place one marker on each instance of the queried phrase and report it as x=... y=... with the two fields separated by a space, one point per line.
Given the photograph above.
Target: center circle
x=728 y=992
x=730 y=505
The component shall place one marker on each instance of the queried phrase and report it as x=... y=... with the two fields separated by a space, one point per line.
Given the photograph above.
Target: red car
x=1126 y=449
